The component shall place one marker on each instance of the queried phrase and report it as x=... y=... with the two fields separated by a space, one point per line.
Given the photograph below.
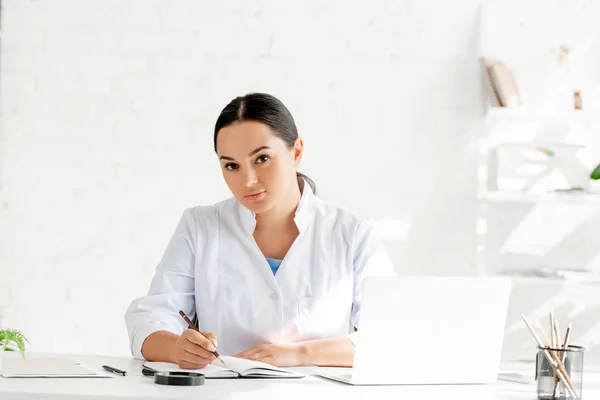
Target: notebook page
x=256 y=368
x=210 y=371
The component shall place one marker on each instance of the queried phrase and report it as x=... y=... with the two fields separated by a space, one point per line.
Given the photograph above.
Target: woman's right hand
x=193 y=350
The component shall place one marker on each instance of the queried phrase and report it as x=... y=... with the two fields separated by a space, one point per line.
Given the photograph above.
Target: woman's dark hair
x=264 y=108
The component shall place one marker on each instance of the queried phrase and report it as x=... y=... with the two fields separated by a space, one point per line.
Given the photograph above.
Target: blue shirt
x=274 y=264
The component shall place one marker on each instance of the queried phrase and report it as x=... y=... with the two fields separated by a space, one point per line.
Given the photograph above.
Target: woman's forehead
x=243 y=137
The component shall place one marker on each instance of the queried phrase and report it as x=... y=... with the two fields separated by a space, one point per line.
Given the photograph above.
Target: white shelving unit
x=528 y=41
x=501 y=127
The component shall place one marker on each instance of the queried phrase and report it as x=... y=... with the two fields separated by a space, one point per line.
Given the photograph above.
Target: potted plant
x=12 y=340
x=595 y=177
x=596 y=173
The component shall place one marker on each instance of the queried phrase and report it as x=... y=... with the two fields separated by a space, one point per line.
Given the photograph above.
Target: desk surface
x=137 y=386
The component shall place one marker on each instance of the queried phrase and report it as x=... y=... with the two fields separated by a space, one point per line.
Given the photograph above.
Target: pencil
x=564 y=355
x=567 y=336
x=552 y=334
x=194 y=327
x=559 y=365
x=556 y=338
x=550 y=359
x=557 y=333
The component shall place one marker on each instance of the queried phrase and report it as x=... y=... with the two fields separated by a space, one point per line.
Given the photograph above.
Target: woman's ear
x=298 y=151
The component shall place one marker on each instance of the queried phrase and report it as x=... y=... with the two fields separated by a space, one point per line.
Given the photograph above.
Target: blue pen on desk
x=114 y=370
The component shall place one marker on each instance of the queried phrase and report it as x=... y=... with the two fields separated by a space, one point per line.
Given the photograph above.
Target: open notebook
x=233 y=368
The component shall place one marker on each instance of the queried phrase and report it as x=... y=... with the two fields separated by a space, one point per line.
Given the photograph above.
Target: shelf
x=557 y=197
x=545 y=276
x=524 y=127
x=524 y=114
x=498 y=141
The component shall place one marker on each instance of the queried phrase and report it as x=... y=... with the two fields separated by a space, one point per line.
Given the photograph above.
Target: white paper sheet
x=48 y=368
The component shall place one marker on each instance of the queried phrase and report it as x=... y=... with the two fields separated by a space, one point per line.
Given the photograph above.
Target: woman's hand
x=280 y=355
x=193 y=350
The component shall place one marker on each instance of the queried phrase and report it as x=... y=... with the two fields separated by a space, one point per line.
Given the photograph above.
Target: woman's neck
x=282 y=216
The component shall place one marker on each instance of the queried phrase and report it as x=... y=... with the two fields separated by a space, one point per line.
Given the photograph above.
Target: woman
x=273 y=274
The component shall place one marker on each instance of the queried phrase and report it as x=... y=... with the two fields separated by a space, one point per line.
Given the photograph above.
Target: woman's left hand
x=280 y=355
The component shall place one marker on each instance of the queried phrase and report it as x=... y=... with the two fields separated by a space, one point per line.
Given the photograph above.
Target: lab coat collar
x=302 y=217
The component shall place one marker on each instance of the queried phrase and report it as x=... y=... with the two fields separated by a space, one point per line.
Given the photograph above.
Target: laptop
x=429 y=330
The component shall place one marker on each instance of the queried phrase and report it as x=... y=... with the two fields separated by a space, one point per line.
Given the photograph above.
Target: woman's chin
x=257 y=207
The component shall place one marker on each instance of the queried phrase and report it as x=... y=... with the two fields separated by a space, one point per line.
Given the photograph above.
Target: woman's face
x=257 y=165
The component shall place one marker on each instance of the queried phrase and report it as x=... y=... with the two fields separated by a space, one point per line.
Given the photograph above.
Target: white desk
x=137 y=386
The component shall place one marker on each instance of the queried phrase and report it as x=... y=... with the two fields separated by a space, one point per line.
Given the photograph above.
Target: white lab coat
x=212 y=267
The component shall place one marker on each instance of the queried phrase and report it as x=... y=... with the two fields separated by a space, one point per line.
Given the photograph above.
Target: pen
x=564 y=355
x=192 y=326
x=114 y=370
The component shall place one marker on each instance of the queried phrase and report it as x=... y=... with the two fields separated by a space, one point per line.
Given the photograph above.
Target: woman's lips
x=257 y=195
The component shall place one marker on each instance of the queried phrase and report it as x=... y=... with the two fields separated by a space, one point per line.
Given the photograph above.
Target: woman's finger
x=188 y=365
x=198 y=350
x=212 y=337
x=200 y=340
x=258 y=355
x=195 y=358
x=267 y=360
x=247 y=353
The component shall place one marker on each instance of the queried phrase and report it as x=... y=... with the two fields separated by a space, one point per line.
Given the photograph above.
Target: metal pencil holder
x=549 y=386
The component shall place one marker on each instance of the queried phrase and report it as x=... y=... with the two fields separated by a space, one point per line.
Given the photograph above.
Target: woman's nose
x=250 y=178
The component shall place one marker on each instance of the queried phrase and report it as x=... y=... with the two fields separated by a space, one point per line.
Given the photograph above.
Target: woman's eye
x=231 y=166
x=262 y=159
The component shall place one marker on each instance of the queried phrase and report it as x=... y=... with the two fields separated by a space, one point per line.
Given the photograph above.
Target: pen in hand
x=192 y=326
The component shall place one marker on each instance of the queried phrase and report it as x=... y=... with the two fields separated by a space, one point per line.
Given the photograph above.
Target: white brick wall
x=107 y=114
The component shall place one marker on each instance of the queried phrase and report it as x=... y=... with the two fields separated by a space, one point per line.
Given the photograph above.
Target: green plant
x=595 y=175
x=8 y=336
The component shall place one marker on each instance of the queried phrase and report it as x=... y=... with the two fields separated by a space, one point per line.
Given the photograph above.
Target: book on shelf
x=487 y=63
x=502 y=84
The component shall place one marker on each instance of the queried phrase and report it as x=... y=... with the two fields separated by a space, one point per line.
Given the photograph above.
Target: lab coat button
x=274 y=296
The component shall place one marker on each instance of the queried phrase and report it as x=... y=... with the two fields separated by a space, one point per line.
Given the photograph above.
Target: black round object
x=179 y=378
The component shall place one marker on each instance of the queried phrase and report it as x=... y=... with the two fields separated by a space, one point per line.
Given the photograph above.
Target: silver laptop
x=429 y=330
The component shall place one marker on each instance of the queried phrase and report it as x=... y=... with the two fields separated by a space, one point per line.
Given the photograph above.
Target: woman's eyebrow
x=253 y=152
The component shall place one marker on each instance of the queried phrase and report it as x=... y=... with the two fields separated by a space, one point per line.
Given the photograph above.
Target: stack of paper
x=47 y=368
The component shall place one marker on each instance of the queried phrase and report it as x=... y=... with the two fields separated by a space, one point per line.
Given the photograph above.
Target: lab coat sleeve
x=171 y=290
x=370 y=259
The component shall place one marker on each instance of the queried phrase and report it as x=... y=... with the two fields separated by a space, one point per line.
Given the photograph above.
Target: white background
x=107 y=113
